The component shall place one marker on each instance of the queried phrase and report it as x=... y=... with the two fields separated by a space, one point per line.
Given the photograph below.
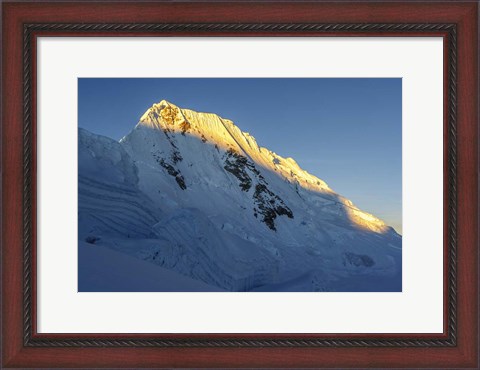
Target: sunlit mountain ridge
x=223 y=133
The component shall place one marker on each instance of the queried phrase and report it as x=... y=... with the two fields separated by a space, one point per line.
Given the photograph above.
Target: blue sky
x=346 y=131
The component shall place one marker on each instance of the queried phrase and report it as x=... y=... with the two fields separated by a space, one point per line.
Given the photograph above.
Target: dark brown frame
x=456 y=22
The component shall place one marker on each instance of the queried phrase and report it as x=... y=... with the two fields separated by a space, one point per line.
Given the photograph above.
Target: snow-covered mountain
x=191 y=192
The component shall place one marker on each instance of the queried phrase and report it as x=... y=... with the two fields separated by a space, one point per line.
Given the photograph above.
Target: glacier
x=191 y=194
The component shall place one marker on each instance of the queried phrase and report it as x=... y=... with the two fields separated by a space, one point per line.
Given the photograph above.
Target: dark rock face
x=172 y=171
x=357 y=260
x=181 y=182
x=90 y=239
x=175 y=155
x=237 y=165
x=267 y=204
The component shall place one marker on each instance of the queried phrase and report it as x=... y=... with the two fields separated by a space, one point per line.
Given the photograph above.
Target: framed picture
x=235 y=185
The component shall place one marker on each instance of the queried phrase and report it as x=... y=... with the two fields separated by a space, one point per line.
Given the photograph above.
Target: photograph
x=240 y=185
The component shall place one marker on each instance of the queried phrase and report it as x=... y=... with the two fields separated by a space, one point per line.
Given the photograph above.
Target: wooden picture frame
x=456 y=22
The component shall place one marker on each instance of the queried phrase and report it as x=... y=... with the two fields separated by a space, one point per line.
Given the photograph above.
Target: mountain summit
x=195 y=194
x=244 y=153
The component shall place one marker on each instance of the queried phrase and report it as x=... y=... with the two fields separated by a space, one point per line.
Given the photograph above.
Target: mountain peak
x=156 y=108
x=179 y=126
x=164 y=104
x=170 y=118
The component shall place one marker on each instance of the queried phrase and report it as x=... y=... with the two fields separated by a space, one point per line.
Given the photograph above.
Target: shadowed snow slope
x=104 y=270
x=191 y=192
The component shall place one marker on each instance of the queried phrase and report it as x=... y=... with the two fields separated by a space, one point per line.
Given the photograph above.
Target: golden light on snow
x=171 y=119
x=365 y=220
